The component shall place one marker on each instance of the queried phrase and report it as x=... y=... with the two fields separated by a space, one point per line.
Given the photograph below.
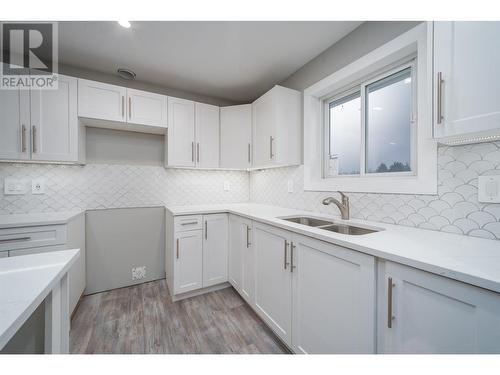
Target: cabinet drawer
x=184 y=223
x=27 y=237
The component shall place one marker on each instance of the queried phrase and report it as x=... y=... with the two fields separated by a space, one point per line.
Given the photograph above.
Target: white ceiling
x=231 y=60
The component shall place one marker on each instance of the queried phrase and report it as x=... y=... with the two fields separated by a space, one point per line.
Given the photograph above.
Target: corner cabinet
x=241 y=258
x=236 y=136
x=277 y=123
x=466 y=79
x=41 y=125
x=420 y=312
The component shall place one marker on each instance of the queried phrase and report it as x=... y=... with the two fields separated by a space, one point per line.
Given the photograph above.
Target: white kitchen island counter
x=25 y=282
x=475 y=261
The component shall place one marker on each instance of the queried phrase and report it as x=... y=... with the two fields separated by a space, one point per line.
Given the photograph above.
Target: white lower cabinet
x=420 y=312
x=333 y=298
x=188 y=261
x=241 y=257
x=215 y=245
x=273 y=279
x=197 y=252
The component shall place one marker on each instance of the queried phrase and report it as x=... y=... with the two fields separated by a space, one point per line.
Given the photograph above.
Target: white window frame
x=411 y=48
x=361 y=88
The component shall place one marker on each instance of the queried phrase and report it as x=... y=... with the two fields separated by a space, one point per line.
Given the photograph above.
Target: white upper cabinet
x=466 y=79
x=146 y=108
x=277 y=128
x=54 y=122
x=207 y=135
x=424 y=313
x=15 y=124
x=215 y=249
x=101 y=101
x=40 y=124
x=236 y=136
x=333 y=299
x=181 y=141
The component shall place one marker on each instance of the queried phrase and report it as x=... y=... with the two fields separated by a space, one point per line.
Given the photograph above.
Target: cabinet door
x=273 y=279
x=237 y=233
x=207 y=135
x=248 y=264
x=215 y=243
x=54 y=122
x=333 y=298
x=424 y=313
x=146 y=108
x=188 y=261
x=466 y=57
x=15 y=124
x=101 y=101
x=264 y=124
x=181 y=147
x=236 y=136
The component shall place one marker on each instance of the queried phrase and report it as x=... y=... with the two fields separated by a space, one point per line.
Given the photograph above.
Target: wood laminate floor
x=143 y=319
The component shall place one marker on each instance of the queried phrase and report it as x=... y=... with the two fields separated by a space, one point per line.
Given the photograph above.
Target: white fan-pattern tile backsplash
x=454 y=209
x=97 y=186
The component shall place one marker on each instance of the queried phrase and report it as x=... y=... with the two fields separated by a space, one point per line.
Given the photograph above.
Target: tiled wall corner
x=454 y=209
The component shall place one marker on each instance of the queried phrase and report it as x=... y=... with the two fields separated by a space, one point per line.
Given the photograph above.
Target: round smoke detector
x=126 y=74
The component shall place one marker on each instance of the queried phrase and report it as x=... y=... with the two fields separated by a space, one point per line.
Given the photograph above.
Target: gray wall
x=119 y=239
x=365 y=38
x=146 y=86
x=106 y=146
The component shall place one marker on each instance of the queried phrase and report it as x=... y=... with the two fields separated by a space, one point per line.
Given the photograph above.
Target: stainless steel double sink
x=329 y=225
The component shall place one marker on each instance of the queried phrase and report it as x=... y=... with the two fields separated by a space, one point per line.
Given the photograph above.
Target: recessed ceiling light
x=126 y=74
x=125 y=24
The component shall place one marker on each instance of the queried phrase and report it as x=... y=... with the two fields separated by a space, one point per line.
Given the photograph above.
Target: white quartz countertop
x=25 y=281
x=468 y=259
x=31 y=220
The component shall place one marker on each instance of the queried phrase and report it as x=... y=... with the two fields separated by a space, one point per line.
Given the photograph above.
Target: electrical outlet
x=38 y=186
x=138 y=273
x=15 y=186
x=227 y=186
x=290 y=186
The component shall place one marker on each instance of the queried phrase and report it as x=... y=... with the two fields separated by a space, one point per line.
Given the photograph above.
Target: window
x=370 y=127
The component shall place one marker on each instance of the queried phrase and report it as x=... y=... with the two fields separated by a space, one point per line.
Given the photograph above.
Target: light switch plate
x=290 y=186
x=38 y=186
x=488 y=189
x=15 y=186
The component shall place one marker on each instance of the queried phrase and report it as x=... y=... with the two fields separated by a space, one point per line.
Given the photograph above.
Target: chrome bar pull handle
x=390 y=317
x=248 y=237
x=439 y=114
x=249 y=150
x=198 y=152
x=33 y=139
x=206 y=230
x=123 y=106
x=286 y=263
x=271 y=140
x=6 y=240
x=23 y=138
x=177 y=248
x=192 y=152
x=129 y=107
x=292 y=248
